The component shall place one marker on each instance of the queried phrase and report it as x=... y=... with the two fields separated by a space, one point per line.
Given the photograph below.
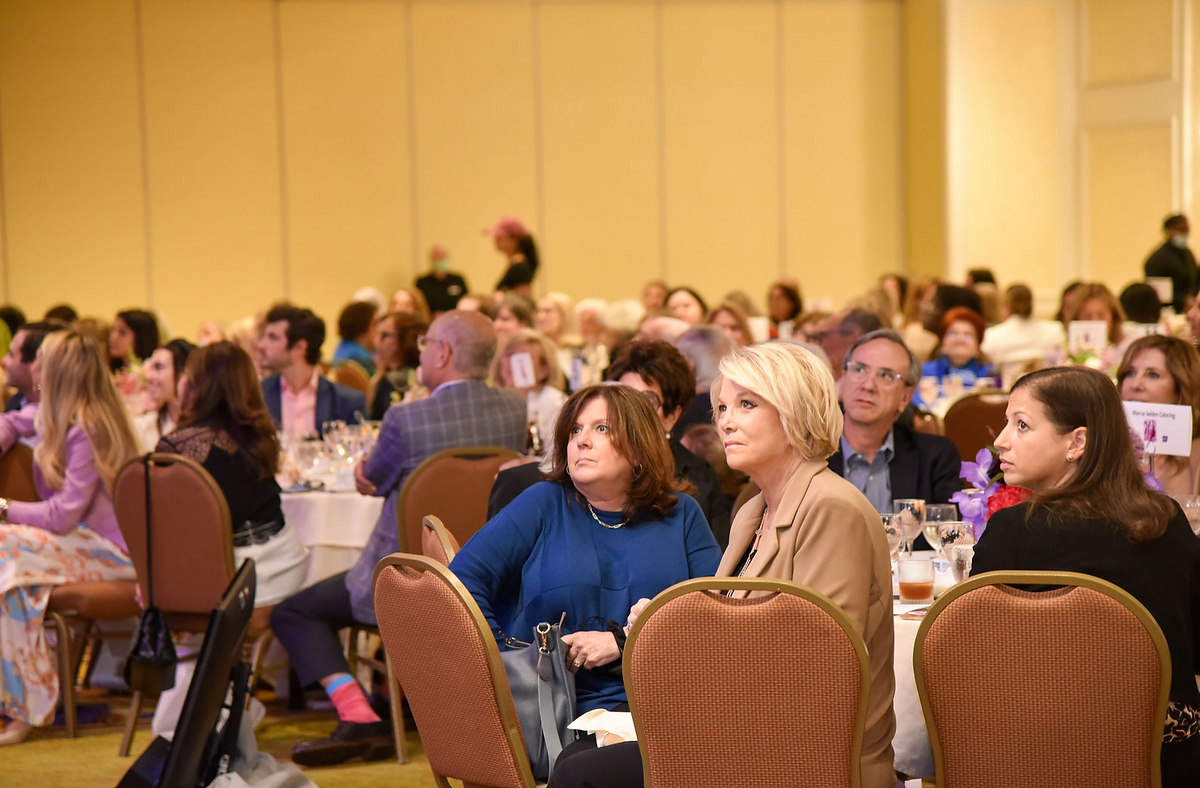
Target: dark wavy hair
x=223 y=391
x=637 y=435
x=1107 y=483
x=658 y=362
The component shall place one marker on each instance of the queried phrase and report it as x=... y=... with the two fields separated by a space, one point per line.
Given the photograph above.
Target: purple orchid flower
x=973 y=505
x=978 y=473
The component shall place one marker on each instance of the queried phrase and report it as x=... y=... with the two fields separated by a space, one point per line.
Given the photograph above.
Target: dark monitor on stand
x=186 y=761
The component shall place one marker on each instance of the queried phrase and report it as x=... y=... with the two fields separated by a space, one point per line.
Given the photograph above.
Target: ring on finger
x=578 y=663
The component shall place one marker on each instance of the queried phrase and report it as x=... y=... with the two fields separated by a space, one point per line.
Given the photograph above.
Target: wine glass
x=935 y=515
x=894 y=535
x=951 y=534
x=910 y=516
x=1191 y=508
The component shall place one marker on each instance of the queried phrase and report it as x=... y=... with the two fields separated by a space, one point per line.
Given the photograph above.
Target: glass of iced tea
x=916 y=579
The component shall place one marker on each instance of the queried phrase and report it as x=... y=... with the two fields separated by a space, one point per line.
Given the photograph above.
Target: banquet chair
x=974 y=421
x=453 y=486
x=436 y=540
x=707 y=674
x=1060 y=687
x=926 y=423
x=448 y=662
x=351 y=374
x=192 y=543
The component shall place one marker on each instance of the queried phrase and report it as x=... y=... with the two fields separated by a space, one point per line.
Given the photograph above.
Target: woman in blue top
x=962 y=333
x=608 y=529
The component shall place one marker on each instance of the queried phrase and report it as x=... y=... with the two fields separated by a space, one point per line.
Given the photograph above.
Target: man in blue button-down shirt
x=461 y=411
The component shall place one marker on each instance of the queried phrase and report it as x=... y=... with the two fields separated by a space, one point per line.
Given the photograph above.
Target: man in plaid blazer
x=462 y=411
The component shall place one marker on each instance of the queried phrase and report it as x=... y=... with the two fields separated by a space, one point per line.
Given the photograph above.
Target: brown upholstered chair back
x=1062 y=687
x=444 y=656
x=437 y=542
x=454 y=485
x=352 y=375
x=16 y=474
x=974 y=421
x=926 y=423
x=708 y=676
x=193 y=538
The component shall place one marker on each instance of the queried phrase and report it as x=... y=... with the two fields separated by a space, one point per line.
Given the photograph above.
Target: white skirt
x=280 y=566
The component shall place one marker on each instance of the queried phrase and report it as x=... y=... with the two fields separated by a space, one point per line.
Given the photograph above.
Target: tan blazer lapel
x=741 y=535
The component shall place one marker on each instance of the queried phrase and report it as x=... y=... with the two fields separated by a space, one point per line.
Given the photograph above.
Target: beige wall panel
x=843 y=145
x=72 y=168
x=1127 y=40
x=475 y=128
x=213 y=138
x=345 y=113
x=1128 y=177
x=924 y=109
x=599 y=111
x=721 y=129
x=1005 y=157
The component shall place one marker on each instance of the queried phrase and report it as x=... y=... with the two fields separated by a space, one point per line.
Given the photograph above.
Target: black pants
x=307 y=624
x=582 y=764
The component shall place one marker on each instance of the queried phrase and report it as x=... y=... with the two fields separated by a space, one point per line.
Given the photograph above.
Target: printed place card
x=1087 y=335
x=1164 y=429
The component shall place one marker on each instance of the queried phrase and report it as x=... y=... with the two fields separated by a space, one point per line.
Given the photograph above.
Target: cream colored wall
x=206 y=157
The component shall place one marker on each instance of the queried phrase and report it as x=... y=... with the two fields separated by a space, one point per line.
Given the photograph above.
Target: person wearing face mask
x=441 y=287
x=1175 y=260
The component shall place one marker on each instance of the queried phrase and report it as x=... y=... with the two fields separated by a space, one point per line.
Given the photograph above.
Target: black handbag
x=150 y=666
x=543 y=692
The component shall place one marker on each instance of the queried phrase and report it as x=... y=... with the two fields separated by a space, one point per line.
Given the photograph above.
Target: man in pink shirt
x=299 y=399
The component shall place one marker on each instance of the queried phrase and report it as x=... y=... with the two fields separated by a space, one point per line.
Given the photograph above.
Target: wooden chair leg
x=131 y=721
x=66 y=664
x=397 y=696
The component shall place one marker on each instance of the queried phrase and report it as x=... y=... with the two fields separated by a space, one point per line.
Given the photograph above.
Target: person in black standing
x=518 y=247
x=441 y=287
x=1175 y=260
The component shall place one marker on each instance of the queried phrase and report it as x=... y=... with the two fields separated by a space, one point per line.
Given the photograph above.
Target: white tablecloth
x=334 y=526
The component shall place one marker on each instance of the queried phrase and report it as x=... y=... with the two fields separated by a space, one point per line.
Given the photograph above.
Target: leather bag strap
x=149 y=531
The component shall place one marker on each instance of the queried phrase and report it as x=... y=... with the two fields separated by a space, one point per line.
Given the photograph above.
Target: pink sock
x=351 y=704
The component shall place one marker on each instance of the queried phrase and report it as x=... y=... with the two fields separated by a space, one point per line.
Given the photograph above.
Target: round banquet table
x=334 y=526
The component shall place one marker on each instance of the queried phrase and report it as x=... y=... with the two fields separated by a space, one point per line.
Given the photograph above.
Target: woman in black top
x=225 y=427
x=1068 y=442
x=518 y=247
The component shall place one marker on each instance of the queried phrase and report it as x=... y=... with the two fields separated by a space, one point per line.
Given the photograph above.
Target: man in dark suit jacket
x=462 y=411
x=1175 y=260
x=883 y=459
x=298 y=398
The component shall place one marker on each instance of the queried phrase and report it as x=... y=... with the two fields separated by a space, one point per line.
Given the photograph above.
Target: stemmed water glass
x=935 y=515
x=910 y=516
x=894 y=535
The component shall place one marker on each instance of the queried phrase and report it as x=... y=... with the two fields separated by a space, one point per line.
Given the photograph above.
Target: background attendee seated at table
x=411 y=300
x=684 y=303
x=702 y=347
x=1067 y=441
x=162 y=372
x=961 y=333
x=1140 y=303
x=654 y=297
x=608 y=529
x=512 y=314
x=784 y=302
x=777 y=412
x=133 y=333
x=1020 y=341
x=396 y=359
x=838 y=332
x=1096 y=302
x=555 y=319
x=659 y=371
x=730 y=317
x=546 y=395
x=1166 y=370
x=18 y=362
x=64 y=313
x=917 y=303
x=883 y=459
x=356 y=324
x=12 y=317
x=298 y=398
x=69 y=536
x=455 y=357
x=226 y=428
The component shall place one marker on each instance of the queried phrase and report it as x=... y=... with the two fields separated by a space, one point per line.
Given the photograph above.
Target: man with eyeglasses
x=884 y=459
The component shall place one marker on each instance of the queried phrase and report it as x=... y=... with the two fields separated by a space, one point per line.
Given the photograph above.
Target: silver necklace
x=597 y=519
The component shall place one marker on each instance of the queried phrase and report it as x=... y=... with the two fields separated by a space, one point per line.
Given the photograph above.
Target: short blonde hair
x=798 y=384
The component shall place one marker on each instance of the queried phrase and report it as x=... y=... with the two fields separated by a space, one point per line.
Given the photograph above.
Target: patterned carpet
x=51 y=760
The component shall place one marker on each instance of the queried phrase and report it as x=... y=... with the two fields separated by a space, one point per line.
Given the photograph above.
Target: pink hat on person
x=508 y=225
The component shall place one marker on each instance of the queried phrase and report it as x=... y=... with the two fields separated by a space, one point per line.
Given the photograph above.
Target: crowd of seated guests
x=643 y=421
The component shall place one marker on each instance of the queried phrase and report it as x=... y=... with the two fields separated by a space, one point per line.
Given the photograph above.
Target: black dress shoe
x=371 y=741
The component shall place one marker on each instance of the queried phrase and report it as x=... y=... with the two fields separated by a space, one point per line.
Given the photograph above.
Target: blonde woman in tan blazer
x=776 y=410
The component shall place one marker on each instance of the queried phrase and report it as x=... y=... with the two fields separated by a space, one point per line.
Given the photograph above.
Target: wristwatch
x=3 y=510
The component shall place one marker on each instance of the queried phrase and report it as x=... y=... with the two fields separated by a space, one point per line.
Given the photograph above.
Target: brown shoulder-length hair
x=223 y=390
x=1107 y=483
x=1183 y=364
x=637 y=434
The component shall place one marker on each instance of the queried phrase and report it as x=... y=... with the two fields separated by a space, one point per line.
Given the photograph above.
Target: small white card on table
x=1164 y=429
x=521 y=367
x=1087 y=335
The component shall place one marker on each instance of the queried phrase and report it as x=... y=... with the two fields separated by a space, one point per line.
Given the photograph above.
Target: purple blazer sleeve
x=17 y=424
x=64 y=509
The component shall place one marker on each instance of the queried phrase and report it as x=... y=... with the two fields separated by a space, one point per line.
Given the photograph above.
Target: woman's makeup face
x=159 y=372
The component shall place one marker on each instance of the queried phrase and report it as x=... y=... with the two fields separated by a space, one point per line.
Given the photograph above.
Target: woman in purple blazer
x=71 y=535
